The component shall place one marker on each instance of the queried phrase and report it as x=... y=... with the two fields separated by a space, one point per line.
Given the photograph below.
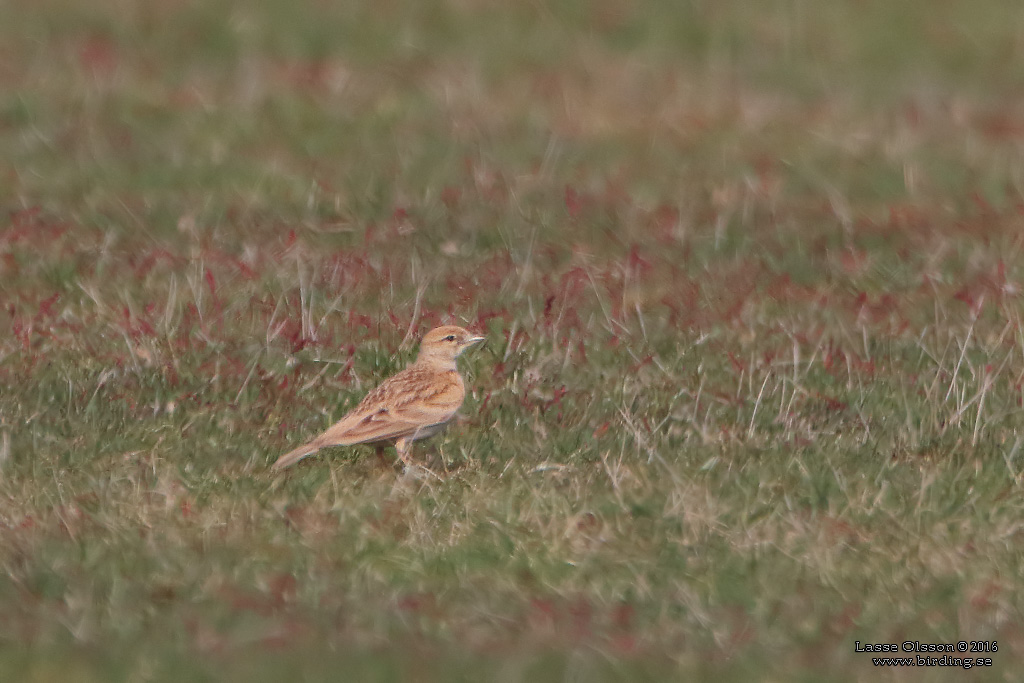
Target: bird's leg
x=381 y=458
x=403 y=446
x=413 y=470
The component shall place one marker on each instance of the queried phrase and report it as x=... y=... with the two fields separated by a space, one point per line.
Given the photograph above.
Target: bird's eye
x=450 y=337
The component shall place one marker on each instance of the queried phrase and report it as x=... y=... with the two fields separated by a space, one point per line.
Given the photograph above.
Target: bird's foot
x=412 y=472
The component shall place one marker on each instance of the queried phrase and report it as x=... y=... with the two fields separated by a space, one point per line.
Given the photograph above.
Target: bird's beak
x=473 y=340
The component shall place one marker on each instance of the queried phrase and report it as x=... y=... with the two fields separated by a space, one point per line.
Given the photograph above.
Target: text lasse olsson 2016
x=918 y=646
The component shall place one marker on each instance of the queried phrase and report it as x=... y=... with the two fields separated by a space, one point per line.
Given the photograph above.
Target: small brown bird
x=415 y=403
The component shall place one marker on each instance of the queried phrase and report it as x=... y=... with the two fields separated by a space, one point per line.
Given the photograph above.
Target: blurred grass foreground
x=750 y=276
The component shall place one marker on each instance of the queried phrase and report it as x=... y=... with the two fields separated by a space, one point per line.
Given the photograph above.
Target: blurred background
x=750 y=277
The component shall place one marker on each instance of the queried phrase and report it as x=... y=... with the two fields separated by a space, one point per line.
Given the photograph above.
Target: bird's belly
x=428 y=431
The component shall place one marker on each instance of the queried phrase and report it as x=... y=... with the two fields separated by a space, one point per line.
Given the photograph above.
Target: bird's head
x=446 y=343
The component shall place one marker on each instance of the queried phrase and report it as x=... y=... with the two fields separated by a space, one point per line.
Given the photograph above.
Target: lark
x=415 y=403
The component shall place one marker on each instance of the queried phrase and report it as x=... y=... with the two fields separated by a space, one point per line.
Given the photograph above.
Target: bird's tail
x=292 y=457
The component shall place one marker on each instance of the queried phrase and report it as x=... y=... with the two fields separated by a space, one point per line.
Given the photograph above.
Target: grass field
x=751 y=279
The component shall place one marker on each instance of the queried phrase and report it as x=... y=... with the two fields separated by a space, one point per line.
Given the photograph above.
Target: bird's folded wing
x=365 y=427
x=403 y=416
x=423 y=415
